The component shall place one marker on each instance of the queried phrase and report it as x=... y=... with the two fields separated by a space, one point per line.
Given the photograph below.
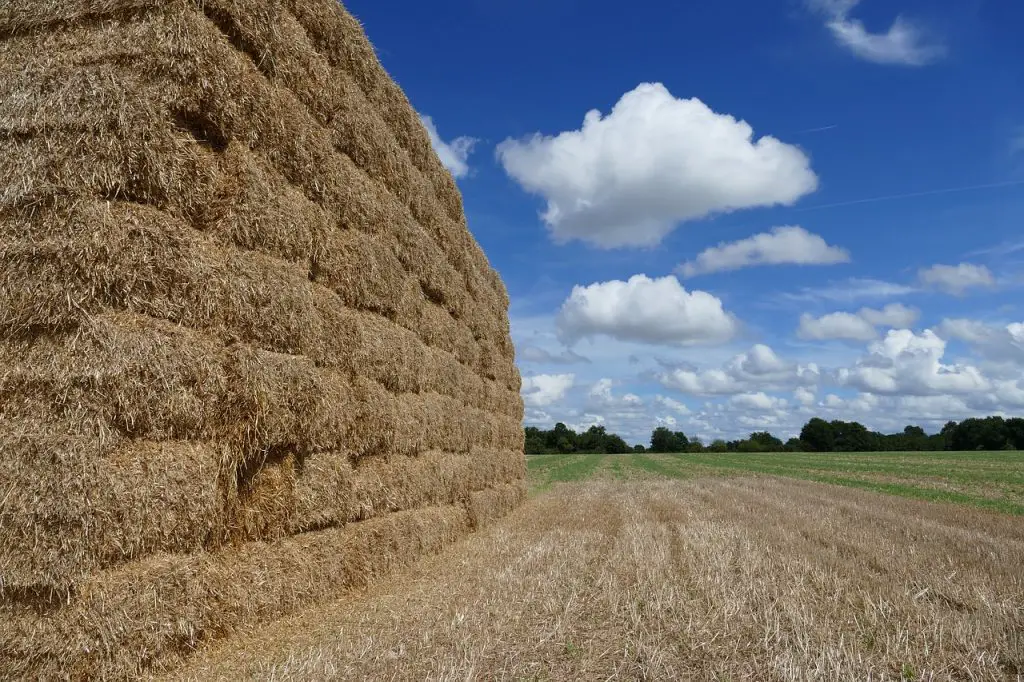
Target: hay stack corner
x=250 y=354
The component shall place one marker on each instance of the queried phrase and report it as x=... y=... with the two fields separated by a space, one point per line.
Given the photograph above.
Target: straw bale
x=115 y=501
x=439 y=329
x=285 y=402
x=335 y=488
x=256 y=208
x=169 y=604
x=374 y=419
x=488 y=505
x=365 y=273
x=130 y=374
x=392 y=355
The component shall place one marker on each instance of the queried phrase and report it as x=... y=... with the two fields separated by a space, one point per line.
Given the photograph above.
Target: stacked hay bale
x=250 y=355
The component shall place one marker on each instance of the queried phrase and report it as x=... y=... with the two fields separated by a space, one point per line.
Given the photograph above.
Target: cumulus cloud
x=956 y=279
x=860 y=326
x=804 y=395
x=628 y=178
x=542 y=390
x=845 y=326
x=758 y=369
x=672 y=404
x=894 y=315
x=997 y=343
x=906 y=363
x=760 y=402
x=905 y=43
x=654 y=311
x=790 y=245
x=455 y=154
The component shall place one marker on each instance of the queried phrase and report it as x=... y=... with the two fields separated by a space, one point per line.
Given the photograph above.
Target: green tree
x=818 y=436
x=794 y=445
x=851 y=437
x=766 y=442
x=664 y=440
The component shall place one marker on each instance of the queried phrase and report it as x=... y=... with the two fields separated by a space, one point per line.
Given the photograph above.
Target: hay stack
x=250 y=355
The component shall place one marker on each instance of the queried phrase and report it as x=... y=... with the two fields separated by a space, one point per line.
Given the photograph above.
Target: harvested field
x=709 y=578
x=986 y=480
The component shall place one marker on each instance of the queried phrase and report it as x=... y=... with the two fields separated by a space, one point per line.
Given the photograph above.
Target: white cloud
x=759 y=402
x=791 y=245
x=454 y=155
x=996 y=343
x=905 y=43
x=894 y=315
x=856 y=327
x=628 y=178
x=542 y=390
x=905 y=363
x=654 y=311
x=672 y=404
x=853 y=289
x=804 y=395
x=845 y=326
x=758 y=369
x=956 y=279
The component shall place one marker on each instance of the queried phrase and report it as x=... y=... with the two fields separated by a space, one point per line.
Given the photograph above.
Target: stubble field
x=775 y=567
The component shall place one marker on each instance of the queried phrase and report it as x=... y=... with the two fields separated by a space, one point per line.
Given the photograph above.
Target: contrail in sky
x=818 y=130
x=909 y=195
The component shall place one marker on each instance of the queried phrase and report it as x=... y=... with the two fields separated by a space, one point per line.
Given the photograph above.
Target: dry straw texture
x=709 y=579
x=250 y=355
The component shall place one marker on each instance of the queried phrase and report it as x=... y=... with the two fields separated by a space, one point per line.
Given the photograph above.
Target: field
x=987 y=480
x=710 y=567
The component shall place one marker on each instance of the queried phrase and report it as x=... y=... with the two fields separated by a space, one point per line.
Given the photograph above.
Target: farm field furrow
x=734 y=577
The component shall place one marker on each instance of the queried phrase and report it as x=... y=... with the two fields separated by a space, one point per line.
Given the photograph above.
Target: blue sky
x=773 y=209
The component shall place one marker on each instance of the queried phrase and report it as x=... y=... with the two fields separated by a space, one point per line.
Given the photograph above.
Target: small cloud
x=845 y=326
x=455 y=154
x=629 y=178
x=956 y=279
x=853 y=289
x=655 y=311
x=904 y=44
x=860 y=326
x=542 y=390
x=790 y=245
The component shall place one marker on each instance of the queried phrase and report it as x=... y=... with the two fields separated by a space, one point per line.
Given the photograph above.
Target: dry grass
x=704 y=579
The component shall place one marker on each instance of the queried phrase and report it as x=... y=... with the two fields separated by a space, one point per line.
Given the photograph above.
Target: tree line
x=817 y=435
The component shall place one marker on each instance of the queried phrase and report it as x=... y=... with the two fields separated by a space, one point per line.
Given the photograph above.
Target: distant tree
x=614 y=445
x=593 y=440
x=664 y=440
x=1014 y=429
x=718 y=445
x=851 y=437
x=794 y=445
x=534 y=441
x=980 y=434
x=817 y=436
x=948 y=432
x=639 y=447
x=695 y=446
x=766 y=442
